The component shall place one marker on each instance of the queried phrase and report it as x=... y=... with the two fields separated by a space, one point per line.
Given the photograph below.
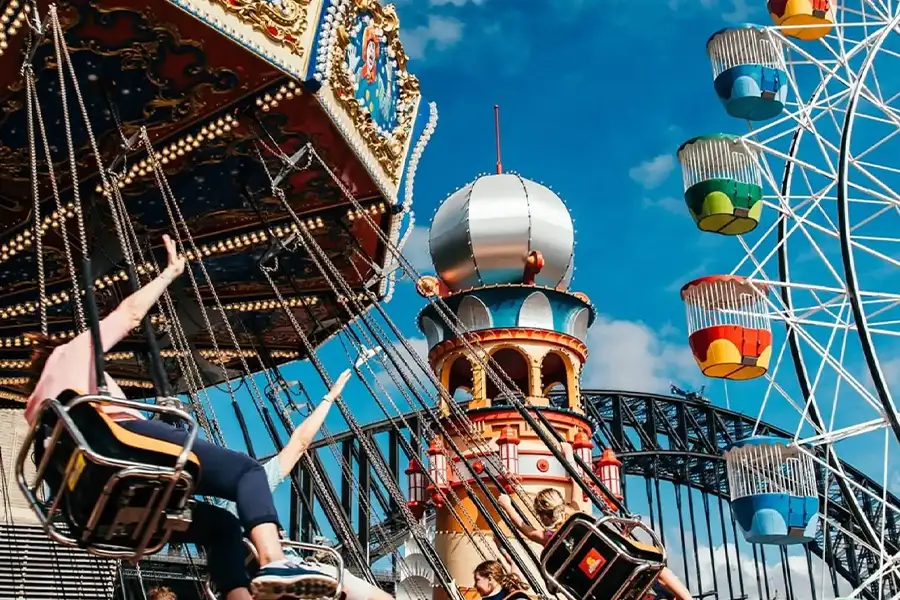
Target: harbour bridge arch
x=659 y=438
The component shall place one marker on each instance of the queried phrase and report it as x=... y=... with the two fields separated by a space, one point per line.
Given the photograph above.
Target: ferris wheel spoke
x=853 y=484
x=799 y=220
x=803 y=115
x=841 y=434
x=814 y=344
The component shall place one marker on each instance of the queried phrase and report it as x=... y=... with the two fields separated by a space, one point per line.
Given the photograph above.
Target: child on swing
x=552 y=510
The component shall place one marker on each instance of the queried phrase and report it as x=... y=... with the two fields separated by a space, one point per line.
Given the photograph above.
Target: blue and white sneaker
x=290 y=578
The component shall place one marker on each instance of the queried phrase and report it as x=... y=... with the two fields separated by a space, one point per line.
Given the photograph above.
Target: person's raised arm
x=303 y=436
x=128 y=315
x=533 y=534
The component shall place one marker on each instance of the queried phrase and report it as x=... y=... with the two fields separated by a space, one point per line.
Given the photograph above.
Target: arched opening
x=536 y=312
x=555 y=378
x=578 y=324
x=434 y=333
x=473 y=314
x=515 y=365
x=460 y=377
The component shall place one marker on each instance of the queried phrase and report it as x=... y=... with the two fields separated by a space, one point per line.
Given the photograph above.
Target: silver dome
x=482 y=234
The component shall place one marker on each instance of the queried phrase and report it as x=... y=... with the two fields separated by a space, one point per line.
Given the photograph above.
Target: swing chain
x=35 y=190
x=172 y=208
x=61 y=53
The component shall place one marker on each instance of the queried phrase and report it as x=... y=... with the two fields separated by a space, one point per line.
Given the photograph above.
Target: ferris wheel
x=807 y=191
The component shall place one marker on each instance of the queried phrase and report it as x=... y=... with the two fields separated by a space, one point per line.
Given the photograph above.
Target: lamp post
x=610 y=473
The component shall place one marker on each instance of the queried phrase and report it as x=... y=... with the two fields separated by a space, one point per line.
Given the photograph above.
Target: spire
x=497 y=137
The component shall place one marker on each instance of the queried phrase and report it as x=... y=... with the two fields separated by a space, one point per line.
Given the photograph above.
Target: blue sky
x=595 y=99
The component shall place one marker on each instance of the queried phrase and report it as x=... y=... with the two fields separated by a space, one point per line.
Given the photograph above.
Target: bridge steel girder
x=680 y=441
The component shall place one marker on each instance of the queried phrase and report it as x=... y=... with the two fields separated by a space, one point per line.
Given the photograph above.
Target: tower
x=503 y=251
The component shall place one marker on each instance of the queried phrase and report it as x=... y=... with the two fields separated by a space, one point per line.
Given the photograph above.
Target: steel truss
x=657 y=437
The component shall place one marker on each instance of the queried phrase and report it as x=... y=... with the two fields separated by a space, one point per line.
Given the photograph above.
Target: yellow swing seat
x=597 y=558
x=119 y=494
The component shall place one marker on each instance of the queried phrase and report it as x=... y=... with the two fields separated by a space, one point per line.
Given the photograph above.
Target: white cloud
x=717 y=564
x=416 y=250
x=891 y=370
x=652 y=173
x=699 y=271
x=629 y=355
x=668 y=204
x=439 y=33
x=408 y=365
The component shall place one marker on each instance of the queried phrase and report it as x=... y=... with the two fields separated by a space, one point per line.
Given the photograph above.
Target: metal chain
x=61 y=50
x=35 y=190
x=489 y=454
x=380 y=530
x=212 y=429
x=172 y=205
x=54 y=186
x=375 y=459
x=309 y=242
x=297 y=328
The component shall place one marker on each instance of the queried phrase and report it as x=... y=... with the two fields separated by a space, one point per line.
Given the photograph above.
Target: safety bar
x=253 y=555
x=625 y=526
x=127 y=469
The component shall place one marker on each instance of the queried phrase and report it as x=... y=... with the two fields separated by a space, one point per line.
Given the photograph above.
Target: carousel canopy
x=233 y=95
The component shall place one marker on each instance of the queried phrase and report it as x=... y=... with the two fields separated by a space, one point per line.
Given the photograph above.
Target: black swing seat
x=252 y=563
x=597 y=558
x=119 y=494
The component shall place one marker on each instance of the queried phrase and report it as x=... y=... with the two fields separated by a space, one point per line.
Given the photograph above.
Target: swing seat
x=596 y=558
x=251 y=563
x=120 y=494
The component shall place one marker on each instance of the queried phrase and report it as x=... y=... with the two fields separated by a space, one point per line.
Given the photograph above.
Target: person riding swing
x=58 y=368
x=553 y=513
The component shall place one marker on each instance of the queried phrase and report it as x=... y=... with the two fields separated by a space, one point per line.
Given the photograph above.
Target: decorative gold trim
x=388 y=149
x=517 y=334
x=284 y=22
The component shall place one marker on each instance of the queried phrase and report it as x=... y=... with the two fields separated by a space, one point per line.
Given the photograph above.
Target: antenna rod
x=497 y=137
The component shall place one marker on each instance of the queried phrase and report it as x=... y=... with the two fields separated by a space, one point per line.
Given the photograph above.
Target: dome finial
x=497 y=137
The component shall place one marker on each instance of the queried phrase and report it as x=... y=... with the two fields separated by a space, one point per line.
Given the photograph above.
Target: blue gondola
x=773 y=491
x=749 y=76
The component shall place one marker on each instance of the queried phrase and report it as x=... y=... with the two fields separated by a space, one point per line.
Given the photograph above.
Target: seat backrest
x=110 y=439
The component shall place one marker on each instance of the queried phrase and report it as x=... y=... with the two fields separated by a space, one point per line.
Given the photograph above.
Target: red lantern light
x=508 y=443
x=609 y=468
x=583 y=448
x=437 y=468
x=416 y=482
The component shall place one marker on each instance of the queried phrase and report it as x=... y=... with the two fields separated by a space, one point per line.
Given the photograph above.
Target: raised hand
x=338 y=385
x=176 y=262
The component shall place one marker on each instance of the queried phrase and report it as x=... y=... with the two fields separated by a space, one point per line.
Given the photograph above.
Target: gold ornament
x=386 y=147
x=285 y=23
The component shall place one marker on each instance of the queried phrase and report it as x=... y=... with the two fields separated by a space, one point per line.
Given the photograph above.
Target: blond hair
x=493 y=569
x=161 y=593
x=551 y=508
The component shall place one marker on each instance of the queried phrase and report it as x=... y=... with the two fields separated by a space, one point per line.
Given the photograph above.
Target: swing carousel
x=269 y=139
x=272 y=140
x=231 y=96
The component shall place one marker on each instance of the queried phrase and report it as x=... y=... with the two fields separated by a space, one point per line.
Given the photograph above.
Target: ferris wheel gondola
x=826 y=249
